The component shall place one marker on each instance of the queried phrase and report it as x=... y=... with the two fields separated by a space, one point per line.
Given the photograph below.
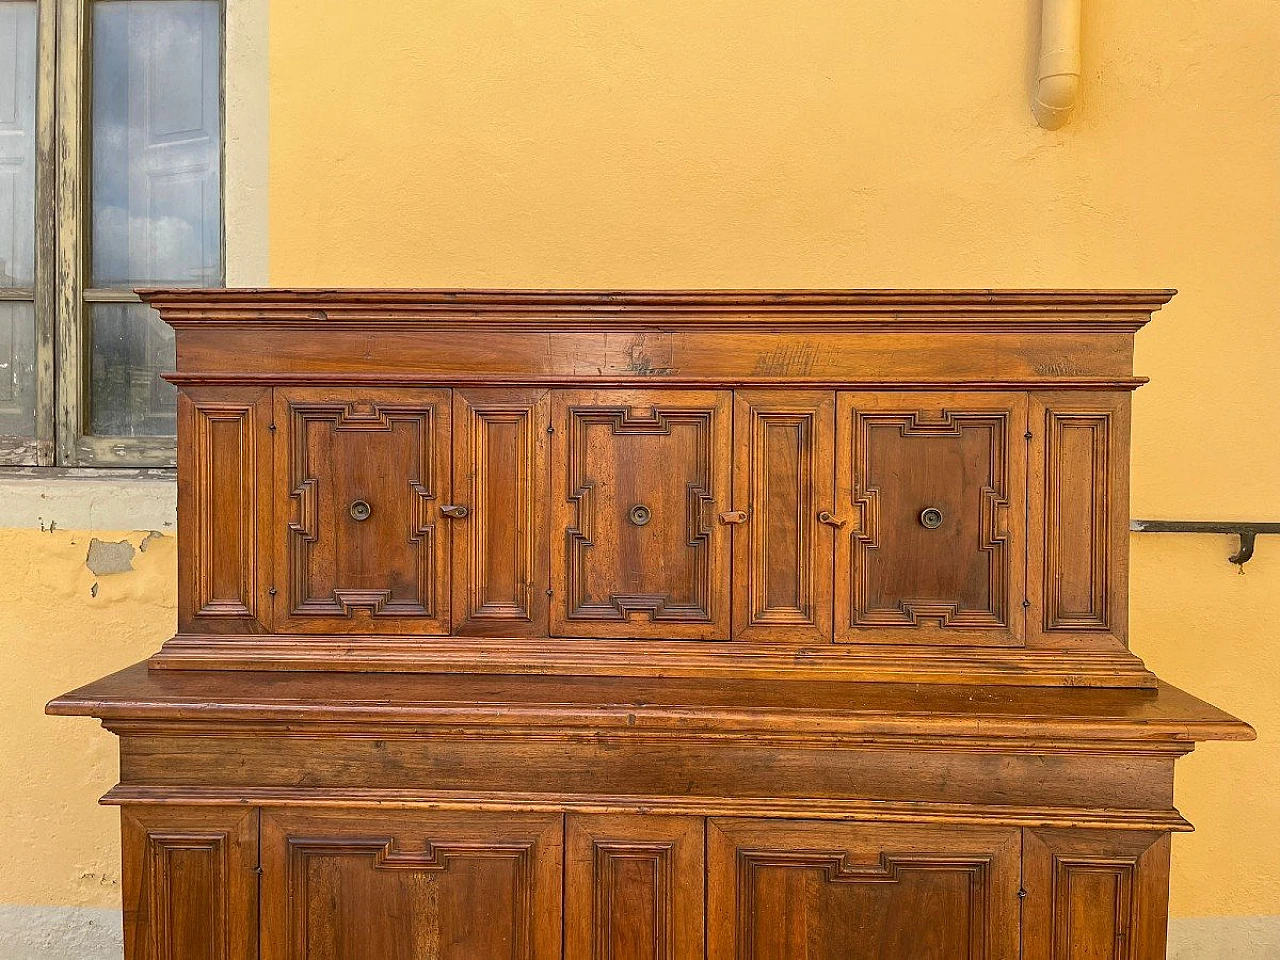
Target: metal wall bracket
x=1246 y=531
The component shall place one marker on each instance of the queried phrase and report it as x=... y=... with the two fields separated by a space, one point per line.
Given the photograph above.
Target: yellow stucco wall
x=757 y=143
x=57 y=632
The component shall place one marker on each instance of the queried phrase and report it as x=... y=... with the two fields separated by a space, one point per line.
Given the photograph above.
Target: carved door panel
x=634 y=888
x=778 y=890
x=1078 y=536
x=931 y=489
x=224 y=510
x=190 y=883
x=1095 y=895
x=361 y=480
x=638 y=481
x=784 y=470
x=400 y=886
x=500 y=547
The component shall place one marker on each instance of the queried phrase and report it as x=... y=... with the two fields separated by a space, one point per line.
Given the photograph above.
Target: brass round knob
x=360 y=510
x=639 y=514
x=931 y=518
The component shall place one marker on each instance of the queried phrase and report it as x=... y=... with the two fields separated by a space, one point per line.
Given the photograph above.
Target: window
x=110 y=178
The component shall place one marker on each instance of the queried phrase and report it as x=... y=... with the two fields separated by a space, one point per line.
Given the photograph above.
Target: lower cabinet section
x=371 y=884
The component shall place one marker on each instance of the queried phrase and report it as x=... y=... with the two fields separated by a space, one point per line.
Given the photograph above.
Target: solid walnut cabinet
x=650 y=626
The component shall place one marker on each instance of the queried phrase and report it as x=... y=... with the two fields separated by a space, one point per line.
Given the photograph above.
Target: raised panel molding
x=383 y=883
x=225 y=508
x=1063 y=433
x=993 y=509
x=222 y=430
x=172 y=855
x=1095 y=895
x=1079 y=885
x=190 y=889
x=1079 y=517
x=610 y=889
x=305 y=509
x=634 y=888
x=404 y=574
x=909 y=891
x=696 y=606
x=836 y=867
x=499 y=549
x=997 y=503
x=582 y=535
x=432 y=858
x=783 y=479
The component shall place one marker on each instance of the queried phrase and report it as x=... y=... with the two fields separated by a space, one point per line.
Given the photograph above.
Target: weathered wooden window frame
x=63 y=218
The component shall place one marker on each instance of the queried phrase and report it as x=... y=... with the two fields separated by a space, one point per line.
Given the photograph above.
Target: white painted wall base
x=1224 y=938
x=87 y=500
x=60 y=933
x=83 y=933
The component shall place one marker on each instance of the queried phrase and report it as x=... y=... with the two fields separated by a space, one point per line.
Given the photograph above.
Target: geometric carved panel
x=933 y=489
x=361 y=482
x=633 y=888
x=842 y=890
x=1093 y=909
x=389 y=886
x=637 y=481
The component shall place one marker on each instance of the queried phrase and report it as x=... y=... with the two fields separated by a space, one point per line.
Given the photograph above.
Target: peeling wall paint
x=109 y=557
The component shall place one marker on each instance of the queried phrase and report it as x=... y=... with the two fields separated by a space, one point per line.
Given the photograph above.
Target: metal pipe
x=1058 y=73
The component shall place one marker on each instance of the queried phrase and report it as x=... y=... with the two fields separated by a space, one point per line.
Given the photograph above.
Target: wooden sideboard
x=650 y=625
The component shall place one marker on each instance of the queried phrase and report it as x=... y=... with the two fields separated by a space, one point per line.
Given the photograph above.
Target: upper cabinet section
x=922 y=486
x=515 y=338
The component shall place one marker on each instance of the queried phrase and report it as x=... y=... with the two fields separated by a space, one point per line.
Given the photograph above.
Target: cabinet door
x=784 y=470
x=361 y=478
x=637 y=548
x=634 y=888
x=500 y=547
x=778 y=890
x=1078 y=537
x=224 y=510
x=931 y=489
x=399 y=886
x=1095 y=895
x=190 y=883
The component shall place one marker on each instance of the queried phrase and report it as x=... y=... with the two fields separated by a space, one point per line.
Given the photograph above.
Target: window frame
x=61 y=294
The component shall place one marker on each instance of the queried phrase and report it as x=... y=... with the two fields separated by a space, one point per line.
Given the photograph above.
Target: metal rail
x=1247 y=532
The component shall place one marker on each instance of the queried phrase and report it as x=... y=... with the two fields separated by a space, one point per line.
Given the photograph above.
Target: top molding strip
x=1120 y=308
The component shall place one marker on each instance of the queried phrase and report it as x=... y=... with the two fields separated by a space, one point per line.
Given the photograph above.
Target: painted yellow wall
x=60 y=848
x=766 y=143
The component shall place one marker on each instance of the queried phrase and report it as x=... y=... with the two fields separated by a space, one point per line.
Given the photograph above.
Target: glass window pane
x=17 y=368
x=17 y=144
x=157 y=143
x=130 y=347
